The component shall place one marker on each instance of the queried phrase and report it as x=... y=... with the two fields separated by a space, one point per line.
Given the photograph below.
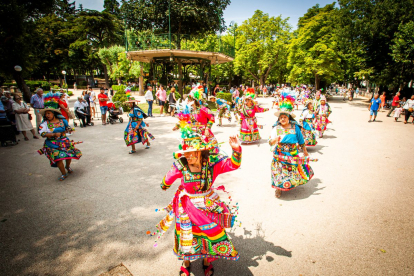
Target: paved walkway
x=355 y=217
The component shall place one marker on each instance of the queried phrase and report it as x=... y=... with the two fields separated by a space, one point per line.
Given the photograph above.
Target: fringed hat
x=250 y=94
x=51 y=103
x=190 y=140
x=323 y=98
x=286 y=105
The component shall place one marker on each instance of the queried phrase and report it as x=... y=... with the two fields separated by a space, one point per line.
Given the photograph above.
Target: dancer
x=57 y=146
x=237 y=108
x=322 y=113
x=288 y=169
x=317 y=100
x=201 y=117
x=223 y=110
x=249 y=130
x=200 y=216
x=308 y=130
x=135 y=131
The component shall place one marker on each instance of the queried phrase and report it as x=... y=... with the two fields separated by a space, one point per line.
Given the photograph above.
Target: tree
x=95 y=30
x=17 y=22
x=112 y=6
x=314 y=51
x=262 y=45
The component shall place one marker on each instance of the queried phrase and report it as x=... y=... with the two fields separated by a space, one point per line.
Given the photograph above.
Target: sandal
x=35 y=137
x=185 y=270
x=69 y=170
x=207 y=269
x=132 y=151
x=278 y=193
x=63 y=177
x=26 y=139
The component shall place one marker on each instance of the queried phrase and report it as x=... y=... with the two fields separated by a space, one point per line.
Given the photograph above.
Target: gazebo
x=168 y=62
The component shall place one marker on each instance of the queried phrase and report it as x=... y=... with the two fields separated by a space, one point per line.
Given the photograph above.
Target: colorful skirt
x=249 y=131
x=308 y=133
x=200 y=222
x=60 y=149
x=133 y=136
x=288 y=175
x=321 y=123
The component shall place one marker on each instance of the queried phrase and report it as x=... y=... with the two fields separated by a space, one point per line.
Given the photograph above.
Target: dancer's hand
x=175 y=128
x=206 y=132
x=234 y=142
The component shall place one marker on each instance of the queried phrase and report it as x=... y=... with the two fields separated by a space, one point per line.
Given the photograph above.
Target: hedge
x=225 y=96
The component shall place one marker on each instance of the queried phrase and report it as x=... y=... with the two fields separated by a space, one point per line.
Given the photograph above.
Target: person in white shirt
x=81 y=110
x=92 y=102
x=150 y=100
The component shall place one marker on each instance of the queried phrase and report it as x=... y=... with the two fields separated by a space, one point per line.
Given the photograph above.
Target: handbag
x=71 y=114
x=30 y=116
x=410 y=109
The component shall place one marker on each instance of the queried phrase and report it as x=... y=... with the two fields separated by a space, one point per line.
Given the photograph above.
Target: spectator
x=403 y=101
x=66 y=96
x=150 y=100
x=408 y=109
x=81 y=110
x=236 y=93
x=397 y=112
x=63 y=106
x=75 y=87
x=103 y=99
x=92 y=102
x=216 y=90
x=86 y=97
x=162 y=96
x=36 y=102
x=172 y=101
x=8 y=107
x=23 y=117
x=383 y=100
x=373 y=107
x=356 y=93
x=205 y=87
x=394 y=104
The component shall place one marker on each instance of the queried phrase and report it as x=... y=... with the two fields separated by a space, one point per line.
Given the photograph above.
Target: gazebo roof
x=186 y=56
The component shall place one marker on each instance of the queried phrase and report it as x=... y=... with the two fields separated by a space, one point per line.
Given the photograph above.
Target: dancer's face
x=284 y=120
x=249 y=102
x=193 y=157
x=322 y=102
x=49 y=115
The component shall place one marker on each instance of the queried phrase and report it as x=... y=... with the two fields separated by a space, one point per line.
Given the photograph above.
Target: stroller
x=114 y=114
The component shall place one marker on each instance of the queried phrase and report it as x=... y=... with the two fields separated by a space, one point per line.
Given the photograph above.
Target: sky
x=240 y=10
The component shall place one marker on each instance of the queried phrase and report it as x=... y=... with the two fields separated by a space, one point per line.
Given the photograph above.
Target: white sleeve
x=273 y=134
x=43 y=128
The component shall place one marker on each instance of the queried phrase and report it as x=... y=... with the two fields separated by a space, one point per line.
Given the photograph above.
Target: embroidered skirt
x=60 y=149
x=288 y=175
x=308 y=133
x=249 y=131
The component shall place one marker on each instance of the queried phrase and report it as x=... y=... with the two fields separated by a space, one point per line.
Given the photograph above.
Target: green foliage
x=187 y=17
x=314 y=52
x=70 y=93
x=225 y=96
x=126 y=69
x=262 y=46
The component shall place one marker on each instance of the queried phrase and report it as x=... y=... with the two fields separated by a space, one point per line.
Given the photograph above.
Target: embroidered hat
x=51 y=103
x=250 y=94
x=323 y=98
x=190 y=140
x=286 y=105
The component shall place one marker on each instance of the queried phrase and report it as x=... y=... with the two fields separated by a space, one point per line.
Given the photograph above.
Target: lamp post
x=234 y=36
x=64 y=74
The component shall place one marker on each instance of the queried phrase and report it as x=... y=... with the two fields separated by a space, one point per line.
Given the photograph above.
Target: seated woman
x=57 y=146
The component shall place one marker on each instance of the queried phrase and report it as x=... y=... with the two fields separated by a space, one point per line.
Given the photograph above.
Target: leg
x=61 y=167
x=25 y=136
x=185 y=269
x=34 y=134
x=391 y=110
x=68 y=161
x=207 y=267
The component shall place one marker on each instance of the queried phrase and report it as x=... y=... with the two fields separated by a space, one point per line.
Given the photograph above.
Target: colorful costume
x=223 y=109
x=56 y=148
x=132 y=135
x=249 y=130
x=308 y=130
x=288 y=169
x=200 y=216
x=322 y=114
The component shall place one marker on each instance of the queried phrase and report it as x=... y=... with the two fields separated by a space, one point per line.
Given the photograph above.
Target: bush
x=70 y=93
x=225 y=96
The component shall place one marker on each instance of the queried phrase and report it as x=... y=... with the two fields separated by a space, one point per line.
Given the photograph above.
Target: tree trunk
x=22 y=86
x=317 y=82
x=180 y=77
x=106 y=76
x=141 y=82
